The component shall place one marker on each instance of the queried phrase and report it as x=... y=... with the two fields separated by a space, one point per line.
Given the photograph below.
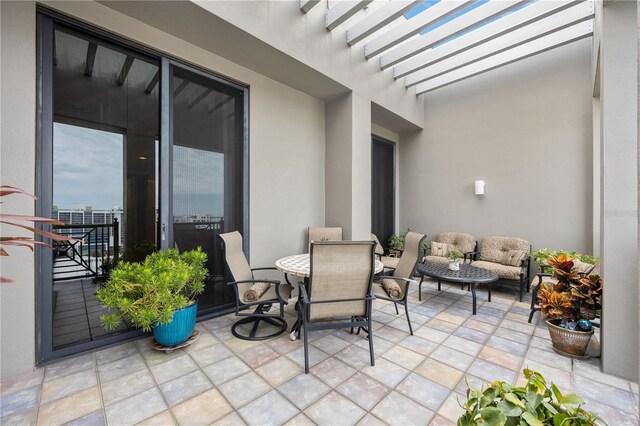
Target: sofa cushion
x=581 y=267
x=439 y=249
x=513 y=257
x=494 y=249
x=504 y=271
x=463 y=242
x=435 y=259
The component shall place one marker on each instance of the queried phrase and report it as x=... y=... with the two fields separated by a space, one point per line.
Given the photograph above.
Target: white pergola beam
x=520 y=18
x=550 y=25
x=378 y=19
x=306 y=5
x=450 y=29
x=540 y=45
x=413 y=26
x=343 y=11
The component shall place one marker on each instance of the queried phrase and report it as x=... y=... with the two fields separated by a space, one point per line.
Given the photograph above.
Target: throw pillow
x=392 y=288
x=439 y=249
x=255 y=292
x=513 y=257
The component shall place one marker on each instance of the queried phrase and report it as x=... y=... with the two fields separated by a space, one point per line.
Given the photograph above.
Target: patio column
x=619 y=187
x=348 y=165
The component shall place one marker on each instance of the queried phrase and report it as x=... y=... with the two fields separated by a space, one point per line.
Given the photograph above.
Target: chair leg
x=406 y=312
x=521 y=288
x=396 y=306
x=420 y=289
x=533 y=311
x=306 y=347
x=370 y=337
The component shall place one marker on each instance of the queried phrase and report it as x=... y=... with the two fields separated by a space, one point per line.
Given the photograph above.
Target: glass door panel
x=106 y=116
x=208 y=171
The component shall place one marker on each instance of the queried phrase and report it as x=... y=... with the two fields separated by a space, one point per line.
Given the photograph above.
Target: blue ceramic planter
x=179 y=329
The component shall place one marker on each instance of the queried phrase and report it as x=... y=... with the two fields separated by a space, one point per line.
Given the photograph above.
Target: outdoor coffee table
x=298 y=265
x=466 y=275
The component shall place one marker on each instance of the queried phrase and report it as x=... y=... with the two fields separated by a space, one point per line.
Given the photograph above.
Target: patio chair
x=252 y=292
x=395 y=287
x=339 y=290
x=389 y=262
x=323 y=234
x=508 y=257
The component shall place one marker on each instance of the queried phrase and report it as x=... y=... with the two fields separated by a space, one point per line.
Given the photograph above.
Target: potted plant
x=569 y=305
x=535 y=403
x=396 y=244
x=156 y=294
x=454 y=256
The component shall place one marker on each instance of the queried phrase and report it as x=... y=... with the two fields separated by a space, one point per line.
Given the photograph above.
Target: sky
x=87 y=167
x=88 y=170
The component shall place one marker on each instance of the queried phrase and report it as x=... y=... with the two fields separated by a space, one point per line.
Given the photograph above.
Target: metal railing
x=91 y=256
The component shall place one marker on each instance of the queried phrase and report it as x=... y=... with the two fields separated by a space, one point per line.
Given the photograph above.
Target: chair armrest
x=266 y=268
x=544 y=268
x=276 y=282
x=471 y=255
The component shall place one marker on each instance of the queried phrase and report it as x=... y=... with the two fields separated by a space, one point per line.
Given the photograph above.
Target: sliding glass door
x=137 y=153
x=208 y=170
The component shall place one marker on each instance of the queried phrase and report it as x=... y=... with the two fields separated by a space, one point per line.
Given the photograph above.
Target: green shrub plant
x=534 y=404
x=147 y=293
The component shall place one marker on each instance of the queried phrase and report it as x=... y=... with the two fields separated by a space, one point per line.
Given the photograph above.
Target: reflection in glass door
x=136 y=153
x=100 y=127
x=208 y=170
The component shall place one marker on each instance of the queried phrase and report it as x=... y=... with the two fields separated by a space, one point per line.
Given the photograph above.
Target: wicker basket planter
x=569 y=342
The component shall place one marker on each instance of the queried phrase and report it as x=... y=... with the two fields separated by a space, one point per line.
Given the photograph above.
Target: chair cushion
x=435 y=259
x=439 y=249
x=461 y=241
x=504 y=271
x=392 y=288
x=284 y=289
x=513 y=257
x=390 y=262
x=255 y=292
x=581 y=267
x=494 y=249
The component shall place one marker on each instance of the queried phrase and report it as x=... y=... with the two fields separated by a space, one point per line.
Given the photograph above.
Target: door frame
x=45 y=24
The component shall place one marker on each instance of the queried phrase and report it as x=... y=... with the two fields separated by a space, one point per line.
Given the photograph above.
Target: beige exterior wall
x=525 y=129
x=619 y=186
x=17 y=168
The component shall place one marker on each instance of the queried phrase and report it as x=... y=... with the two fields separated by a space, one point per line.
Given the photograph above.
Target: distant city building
x=86 y=215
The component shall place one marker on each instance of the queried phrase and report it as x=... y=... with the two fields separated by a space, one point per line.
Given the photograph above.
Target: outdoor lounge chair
x=508 y=257
x=401 y=274
x=252 y=292
x=324 y=234
x=339 y=290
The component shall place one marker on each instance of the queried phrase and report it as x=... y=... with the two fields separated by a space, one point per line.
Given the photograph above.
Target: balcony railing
x=97 y=246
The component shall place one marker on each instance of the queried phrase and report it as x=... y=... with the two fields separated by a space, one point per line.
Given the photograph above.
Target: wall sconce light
x=479 y=187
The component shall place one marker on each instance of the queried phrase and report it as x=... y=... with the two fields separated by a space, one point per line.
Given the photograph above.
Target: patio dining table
x=298 y=265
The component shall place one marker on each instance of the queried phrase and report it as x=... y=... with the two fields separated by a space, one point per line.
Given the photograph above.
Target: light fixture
x=479 y=187
x=142 y=157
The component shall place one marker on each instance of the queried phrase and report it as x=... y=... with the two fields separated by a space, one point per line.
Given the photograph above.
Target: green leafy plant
x=147 y=293
x=454 y=254
x=534 y=404
x=540 y=257
x=25 y=241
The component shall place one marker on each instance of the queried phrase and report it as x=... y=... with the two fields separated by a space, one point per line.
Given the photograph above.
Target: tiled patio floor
x=222 y=380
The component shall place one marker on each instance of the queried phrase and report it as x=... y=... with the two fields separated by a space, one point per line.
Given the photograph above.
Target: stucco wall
x=287 y=148
x=17 y=165
x=525 y=129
